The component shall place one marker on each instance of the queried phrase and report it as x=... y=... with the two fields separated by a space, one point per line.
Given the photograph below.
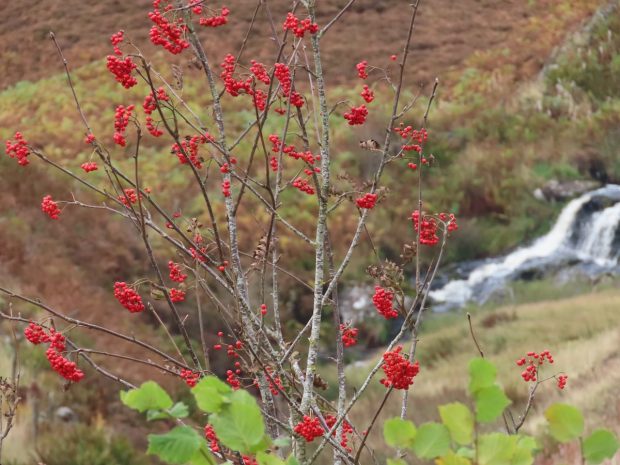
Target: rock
x=539 y=195
x=555 y=190
x=65 y=414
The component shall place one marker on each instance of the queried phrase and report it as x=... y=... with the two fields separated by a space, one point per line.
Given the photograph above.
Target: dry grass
x=582 y=332
x=448 y=33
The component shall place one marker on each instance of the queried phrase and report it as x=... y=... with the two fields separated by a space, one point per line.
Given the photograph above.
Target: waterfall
x=598 y=242
x=581 y=233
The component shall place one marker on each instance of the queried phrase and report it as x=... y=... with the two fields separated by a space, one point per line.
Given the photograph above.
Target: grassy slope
x=583 y=334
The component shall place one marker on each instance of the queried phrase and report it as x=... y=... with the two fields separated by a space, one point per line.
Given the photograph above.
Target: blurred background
x=525 y=134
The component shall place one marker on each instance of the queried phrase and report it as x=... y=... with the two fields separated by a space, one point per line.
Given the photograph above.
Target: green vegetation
x=493 y=145
x=457 y=439
x=581 y=331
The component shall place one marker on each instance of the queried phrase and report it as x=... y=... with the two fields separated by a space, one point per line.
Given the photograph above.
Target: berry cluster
x=215 y=20
x=303 y=185
x=450 y=220
x=330 y=420
x=212 y=438
x=121 y=120
x=367 y=94
x=263 y=309
x=64 y=367
x=198 y=255
x=226 y=188
x=299 y=183
x=128 y=197
x=275 y=383
x=361 y=69
x=89 y=166
x=368 y=201
x=299 y=28
x=189 y=147
x=259 y=98
x=190 y=377
x=399 y=372
x=150 y=105
x=532 y=364
x=382 y=300
x=357 y=115
x=309 y=428
x=128 y=297
x=122 y=70
x=233 y=86
x=428 y=228
x=231 y=352
x=415 y=138
x=168 y=34
x=259 y=71
x=283 y=74
x=562 y=381
x=35 y=334
x=349 y=335
x=116 y=39
x=177 y=295
x=276 y=146
x=18 y=149
x=89 y=139
x=176 y=274
x=50 y=208
x=231 y=378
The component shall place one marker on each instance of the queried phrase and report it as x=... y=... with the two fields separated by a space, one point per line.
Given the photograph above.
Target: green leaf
x=203 y=456
x=452 y=459
x=490 y=403
x=459 y=420
x=153 y=415
x=396 y=462
x=431 y=440
x=149 y=396
x=524 y=451
x=522 y=456
x=268 y=459
x=292 y=460
x=482 y=374
x=178 y=410
x=262 y=445
x=600 y=445
x=466 y=452
x=239 y=425
x=177 y=446
x=565 y=422
x=282 y=441
x=496 y=449
x=211 y=393
x=528 y=443
x=399 y=433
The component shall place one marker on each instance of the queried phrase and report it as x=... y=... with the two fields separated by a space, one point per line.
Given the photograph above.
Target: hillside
x=448 y=33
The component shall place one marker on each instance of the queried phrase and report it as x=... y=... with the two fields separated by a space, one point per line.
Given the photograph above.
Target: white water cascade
x=582 y=233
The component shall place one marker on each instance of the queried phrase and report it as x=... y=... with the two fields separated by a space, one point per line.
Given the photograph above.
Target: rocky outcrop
x=555 y=190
